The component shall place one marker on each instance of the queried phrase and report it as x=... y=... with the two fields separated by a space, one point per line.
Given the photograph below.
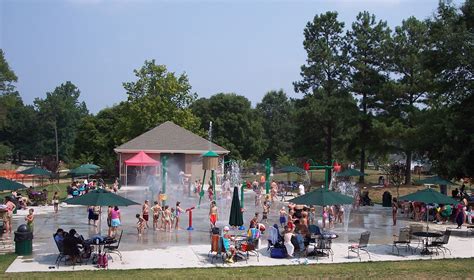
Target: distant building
x=183 y=149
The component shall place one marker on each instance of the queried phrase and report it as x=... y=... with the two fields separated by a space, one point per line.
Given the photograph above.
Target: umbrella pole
x=100 y=220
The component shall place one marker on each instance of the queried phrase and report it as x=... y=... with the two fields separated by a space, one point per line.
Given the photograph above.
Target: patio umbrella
x=100 y=197
x=91 y=166
x=235 y=218
x=9 y=185
x=429 y=196
x=291 y=169
x=36 y=171
x=82 y=171
x=350 y=173
x=436 y=180
x=322 y=197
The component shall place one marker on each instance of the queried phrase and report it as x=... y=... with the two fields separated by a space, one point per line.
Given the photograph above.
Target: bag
x=215 y=230
x=278 y=253
x=102 y=261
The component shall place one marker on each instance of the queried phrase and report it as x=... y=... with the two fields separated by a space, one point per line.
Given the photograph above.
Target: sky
x=245 y=47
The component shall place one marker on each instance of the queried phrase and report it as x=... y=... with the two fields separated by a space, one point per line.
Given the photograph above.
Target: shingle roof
x=170 y=138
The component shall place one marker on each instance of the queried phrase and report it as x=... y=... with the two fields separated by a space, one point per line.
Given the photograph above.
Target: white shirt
x=301 y=187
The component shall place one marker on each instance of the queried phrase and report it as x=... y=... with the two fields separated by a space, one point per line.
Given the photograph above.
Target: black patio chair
x=250 y=247
x=361 y=246
x=403 y=239
x=440 y=244
x=61 y=252
x=416 y=239
x=113 y=248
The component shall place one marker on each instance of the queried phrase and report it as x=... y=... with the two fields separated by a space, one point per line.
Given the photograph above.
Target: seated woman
x=229 y=248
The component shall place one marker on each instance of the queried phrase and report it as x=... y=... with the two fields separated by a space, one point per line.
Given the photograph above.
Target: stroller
x=275 y=243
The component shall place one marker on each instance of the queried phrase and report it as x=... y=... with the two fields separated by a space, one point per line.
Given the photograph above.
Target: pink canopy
x=141 y=159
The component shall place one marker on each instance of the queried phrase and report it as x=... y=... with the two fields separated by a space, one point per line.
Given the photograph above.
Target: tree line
x=366 y=92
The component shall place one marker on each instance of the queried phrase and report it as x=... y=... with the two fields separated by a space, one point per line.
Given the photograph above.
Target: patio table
x=427 y=235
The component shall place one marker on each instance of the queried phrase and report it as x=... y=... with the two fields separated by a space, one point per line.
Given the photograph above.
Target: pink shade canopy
x=141 y=159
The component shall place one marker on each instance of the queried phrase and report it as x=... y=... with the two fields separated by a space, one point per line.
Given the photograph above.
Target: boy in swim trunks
x=146 y=212
x=213 y=214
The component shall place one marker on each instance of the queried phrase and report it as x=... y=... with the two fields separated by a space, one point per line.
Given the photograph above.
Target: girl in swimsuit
x=179 y=210
x=167 y=218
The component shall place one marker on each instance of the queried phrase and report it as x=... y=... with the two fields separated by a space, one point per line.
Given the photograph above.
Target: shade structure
x=436 y=180
x=235 y=218
x=429 y=196
x=40 y=172
x=9 y=185
x=322 y=197
x=100 y=197
x=292 y=169
x=91 y=166
x=141 y=159
x=350 y=173
x=82 y=171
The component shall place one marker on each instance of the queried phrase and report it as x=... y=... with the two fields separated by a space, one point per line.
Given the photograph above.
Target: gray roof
x=170 y=138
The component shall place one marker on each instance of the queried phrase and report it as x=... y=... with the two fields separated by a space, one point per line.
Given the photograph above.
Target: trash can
x=23 y=241
x=387 y=199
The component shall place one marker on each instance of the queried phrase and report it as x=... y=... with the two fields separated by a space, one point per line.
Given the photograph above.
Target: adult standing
x=115 y=216
x=109 y=219
x=460 y=215
x=8 y=217
x=290 y=248
x=146 y=212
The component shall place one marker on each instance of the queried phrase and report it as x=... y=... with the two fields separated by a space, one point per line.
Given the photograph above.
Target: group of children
x=164 y=217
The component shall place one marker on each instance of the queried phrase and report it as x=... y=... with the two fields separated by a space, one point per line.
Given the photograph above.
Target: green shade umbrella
x=9 y=185
x=90 y=166
x=322 y=197
x=429 y=196
x=292 y=169
x=36 y=171
x=236 y=219
x=350 y=173
x=82 y=171
x=436 y=180
x=100 y=197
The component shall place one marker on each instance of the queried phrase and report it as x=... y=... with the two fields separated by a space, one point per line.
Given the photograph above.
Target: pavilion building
x=141 y=156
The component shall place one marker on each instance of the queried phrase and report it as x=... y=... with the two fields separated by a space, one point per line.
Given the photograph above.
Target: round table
x=427 y=235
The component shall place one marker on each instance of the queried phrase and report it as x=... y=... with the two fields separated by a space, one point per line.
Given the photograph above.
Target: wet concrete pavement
x=376 y=219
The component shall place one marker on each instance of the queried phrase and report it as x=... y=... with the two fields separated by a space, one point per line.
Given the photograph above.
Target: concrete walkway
x=196 y=256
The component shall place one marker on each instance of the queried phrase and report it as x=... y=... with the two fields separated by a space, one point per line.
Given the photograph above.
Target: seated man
x=59 y=237
x=74 y=246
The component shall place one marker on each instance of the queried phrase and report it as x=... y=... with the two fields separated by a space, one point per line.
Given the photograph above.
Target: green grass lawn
x=429 y=269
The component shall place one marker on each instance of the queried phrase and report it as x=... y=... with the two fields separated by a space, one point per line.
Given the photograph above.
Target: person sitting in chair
x=75 y=246
x=230 y=249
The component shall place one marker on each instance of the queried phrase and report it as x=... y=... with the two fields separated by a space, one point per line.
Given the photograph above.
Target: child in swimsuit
x=282 y=216
x=140 y=224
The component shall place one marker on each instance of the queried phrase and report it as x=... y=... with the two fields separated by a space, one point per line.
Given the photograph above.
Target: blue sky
x=246 y=47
